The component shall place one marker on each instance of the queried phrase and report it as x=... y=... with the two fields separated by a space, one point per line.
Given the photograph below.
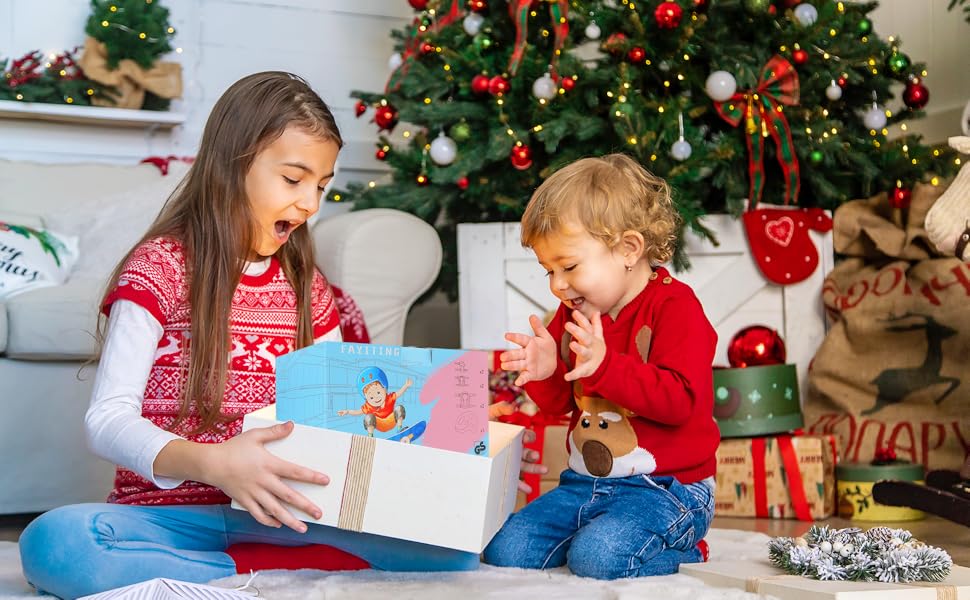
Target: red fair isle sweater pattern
x=263 y=322
x=669 y=395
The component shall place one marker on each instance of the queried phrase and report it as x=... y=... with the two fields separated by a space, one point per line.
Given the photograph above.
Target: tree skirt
x=487 y=582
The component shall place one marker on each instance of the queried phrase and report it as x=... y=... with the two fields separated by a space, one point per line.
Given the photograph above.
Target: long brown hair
x=209 y=213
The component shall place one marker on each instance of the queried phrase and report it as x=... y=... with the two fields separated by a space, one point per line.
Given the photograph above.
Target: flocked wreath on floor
x=879 y=554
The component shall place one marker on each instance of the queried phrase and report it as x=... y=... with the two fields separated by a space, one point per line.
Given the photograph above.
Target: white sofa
x=46 y=334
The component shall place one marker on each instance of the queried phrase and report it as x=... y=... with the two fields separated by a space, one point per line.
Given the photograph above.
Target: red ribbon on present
x=796 y=485
x=415 y=41
x=519 y=12
x=763 y=116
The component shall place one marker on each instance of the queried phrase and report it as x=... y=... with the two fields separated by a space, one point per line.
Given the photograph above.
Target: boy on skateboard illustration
x=380 y=408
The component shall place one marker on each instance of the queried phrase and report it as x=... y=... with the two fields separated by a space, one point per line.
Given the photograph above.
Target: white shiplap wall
x=337 y=45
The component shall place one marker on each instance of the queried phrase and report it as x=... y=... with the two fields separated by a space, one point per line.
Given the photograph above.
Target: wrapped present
x=781 y=477
x=761 y=577
x=756 y=400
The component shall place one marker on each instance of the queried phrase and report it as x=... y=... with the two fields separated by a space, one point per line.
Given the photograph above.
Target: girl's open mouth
x=283 y=229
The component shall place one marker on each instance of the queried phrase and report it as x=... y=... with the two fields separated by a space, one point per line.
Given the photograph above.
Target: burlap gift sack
x=892 y=370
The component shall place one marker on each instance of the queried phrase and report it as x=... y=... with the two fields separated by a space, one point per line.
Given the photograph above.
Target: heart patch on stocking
x=780 y=242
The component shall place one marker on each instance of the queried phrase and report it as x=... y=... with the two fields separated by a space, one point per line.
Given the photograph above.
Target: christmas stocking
x=780 y=242
x=948 y=221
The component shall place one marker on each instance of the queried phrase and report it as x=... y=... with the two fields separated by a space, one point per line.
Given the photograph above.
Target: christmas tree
x=779 y=102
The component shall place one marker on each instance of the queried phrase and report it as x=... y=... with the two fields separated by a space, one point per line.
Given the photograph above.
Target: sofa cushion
x=50 y=189
x=32 y=258
x=54 y=323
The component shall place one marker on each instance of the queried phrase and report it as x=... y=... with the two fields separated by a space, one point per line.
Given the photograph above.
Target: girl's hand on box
x=535 y=359
x=530 y=458
x=248 y=473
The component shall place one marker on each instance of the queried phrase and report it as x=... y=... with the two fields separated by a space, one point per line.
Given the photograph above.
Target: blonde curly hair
x=607 y=195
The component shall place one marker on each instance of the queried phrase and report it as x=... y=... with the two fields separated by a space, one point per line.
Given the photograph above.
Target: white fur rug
x=486 y=583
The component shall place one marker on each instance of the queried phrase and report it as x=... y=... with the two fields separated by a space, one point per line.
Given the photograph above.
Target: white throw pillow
x=32 y=258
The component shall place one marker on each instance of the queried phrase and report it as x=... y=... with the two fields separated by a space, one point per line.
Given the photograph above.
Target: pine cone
x=880 y=534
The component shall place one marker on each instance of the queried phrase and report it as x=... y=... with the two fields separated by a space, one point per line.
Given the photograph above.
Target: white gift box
x=404 y=491
x=761 y=577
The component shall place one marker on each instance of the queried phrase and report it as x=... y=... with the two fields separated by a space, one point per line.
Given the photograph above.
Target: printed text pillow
x=32 y=257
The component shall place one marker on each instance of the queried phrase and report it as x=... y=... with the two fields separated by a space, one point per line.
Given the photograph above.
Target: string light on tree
x=444 y=150
x=805 y=15
x=681 y=149
x=720 y=86
x=834 y=91
x=472 y=24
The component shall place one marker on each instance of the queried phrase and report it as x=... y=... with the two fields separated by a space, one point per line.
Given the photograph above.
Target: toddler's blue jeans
x=88 y=548
x=608 y=528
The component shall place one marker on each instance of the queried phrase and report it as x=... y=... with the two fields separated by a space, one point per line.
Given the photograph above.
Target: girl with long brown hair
x=222 y=283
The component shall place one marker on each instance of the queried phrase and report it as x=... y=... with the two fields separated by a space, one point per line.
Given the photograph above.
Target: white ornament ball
x=806 y=14
x=826 y=547
x=720 y=86
x=849 y=548
x=473 y=23
x=395 y=61
x=544 y=88
x=844 y=552
x=681 y=150
x=444 y=151
x=837 y=546
x=593 y=31
x=833 y=92
x=875 y=118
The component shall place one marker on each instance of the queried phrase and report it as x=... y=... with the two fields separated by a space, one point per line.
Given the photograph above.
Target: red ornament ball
x=615 y=43
x=498 y=85
x=462 y=183
x=427 y=48
x=668 y=15
x=791 y=3
x=386 y=117
x=568 y=83
x=480 y=84
x=916 y=95
x=477 y=5
x=636 y=55
x=800 y=57
x=422 y=180
x=521 y=157
x=841 y=81
x=381 y=154
x=360 y=108
x=418 y=4
x=756 y=345
x=900 y=197
x=700 y=5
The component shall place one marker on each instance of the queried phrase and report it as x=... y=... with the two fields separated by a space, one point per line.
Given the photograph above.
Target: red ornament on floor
x=668 y=15
x=754 y=346
x=521 y=157
x=900 y=197
x=480 y=84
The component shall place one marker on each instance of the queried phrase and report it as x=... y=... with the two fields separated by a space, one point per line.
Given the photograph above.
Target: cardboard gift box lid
x=761 y=577
x=404 y=491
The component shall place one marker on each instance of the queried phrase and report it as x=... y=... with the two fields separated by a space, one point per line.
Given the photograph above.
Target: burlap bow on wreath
x=130 y=80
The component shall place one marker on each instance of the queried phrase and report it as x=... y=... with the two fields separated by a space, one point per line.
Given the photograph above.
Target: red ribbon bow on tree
x=763 y=116
x=415 y=40
x=519 y=11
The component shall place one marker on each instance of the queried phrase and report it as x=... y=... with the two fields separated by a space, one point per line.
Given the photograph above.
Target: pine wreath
x=879 y=554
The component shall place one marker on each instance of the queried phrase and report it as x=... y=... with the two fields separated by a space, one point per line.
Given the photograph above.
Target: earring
x=629 y=268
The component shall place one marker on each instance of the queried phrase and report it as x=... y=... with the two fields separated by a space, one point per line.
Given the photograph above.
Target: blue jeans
x=608 y=528
x=88 y=548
